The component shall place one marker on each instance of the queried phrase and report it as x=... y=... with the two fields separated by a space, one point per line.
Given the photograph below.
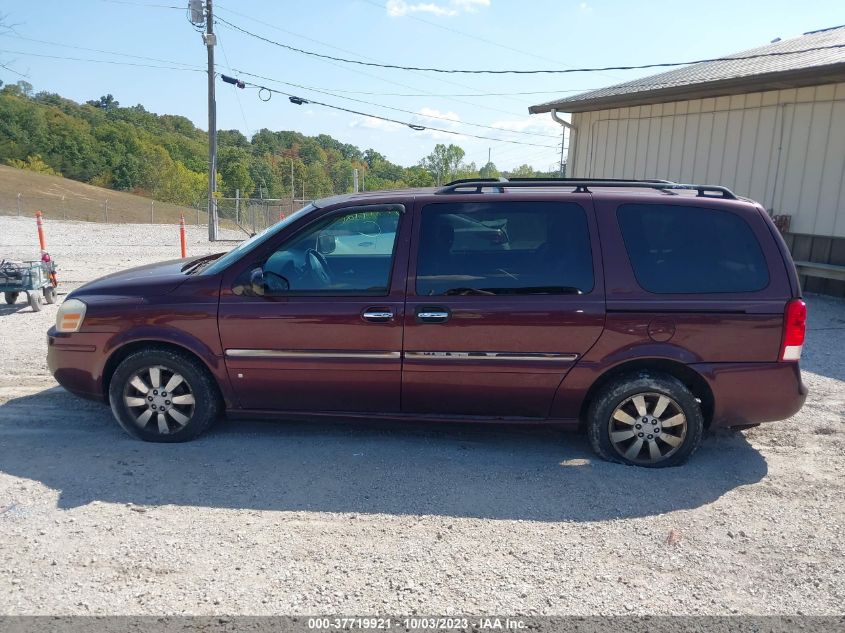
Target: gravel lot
x=280 y=518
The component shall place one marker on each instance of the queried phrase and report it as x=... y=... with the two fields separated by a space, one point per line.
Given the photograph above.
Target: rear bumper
x=76 y=362
x=750 y=393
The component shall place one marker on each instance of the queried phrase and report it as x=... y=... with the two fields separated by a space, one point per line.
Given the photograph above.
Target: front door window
x=347 y=254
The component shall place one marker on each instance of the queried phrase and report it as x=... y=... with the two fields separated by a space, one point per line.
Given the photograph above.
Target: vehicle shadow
x=75 y=447
x=6 y=308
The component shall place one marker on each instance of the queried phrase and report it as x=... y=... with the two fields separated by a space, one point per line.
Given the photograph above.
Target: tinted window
x=349 y=253
x=678 y=249
x=500 y=248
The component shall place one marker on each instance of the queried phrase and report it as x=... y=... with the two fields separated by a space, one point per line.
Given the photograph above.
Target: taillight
x=794 y=329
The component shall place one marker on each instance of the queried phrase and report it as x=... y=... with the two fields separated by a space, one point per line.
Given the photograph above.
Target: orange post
x=40 y=224
x=182 y=235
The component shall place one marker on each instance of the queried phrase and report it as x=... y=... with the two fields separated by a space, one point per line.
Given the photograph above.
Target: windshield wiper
x=199 y=263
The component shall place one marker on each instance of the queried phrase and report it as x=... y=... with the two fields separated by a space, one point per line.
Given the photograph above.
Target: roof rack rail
x=480 y=183
x=581 y=185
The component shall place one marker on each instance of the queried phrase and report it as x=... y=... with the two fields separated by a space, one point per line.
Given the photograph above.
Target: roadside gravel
x=280 y=518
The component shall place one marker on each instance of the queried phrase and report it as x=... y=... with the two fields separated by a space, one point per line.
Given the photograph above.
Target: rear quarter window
x=677 y=249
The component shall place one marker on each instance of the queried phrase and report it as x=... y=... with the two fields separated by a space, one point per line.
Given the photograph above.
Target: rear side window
x=504 y=248
x=691 y=250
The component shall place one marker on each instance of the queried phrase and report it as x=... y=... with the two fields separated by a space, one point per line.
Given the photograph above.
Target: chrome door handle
x=433 y=315
x=377 y=316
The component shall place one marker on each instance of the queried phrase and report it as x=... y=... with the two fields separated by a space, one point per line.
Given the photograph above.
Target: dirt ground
x=313 y=518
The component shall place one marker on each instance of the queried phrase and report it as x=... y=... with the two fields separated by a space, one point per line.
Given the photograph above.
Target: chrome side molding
x=458 y=356
x=512 y=356
x=305 y=353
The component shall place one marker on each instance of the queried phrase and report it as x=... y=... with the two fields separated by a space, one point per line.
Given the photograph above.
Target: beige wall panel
x=783 y=148
x=730 y=157
x=676 y=153
x=690 y=146
x=666 y=133
x=718 y=143
x=790 y=172
x=653 y=147
x=831 y=204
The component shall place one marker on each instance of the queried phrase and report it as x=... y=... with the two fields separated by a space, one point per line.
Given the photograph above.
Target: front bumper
x=76 y=362
x=751 y=393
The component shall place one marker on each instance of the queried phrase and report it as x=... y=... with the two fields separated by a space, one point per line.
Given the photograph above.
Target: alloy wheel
x=159 y=399
x=647 y=428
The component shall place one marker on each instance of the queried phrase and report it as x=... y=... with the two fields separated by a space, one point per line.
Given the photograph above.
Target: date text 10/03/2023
x=415 y=623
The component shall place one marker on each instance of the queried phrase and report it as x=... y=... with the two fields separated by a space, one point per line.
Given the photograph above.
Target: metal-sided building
x=769 y=123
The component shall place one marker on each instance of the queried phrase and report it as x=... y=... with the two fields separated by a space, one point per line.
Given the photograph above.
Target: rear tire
x=35 y=301
x=159 y=395
x=645 y=419
x=10 y=297
x=50 y=295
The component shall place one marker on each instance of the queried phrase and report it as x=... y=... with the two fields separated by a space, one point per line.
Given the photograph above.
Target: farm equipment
x=36 y=278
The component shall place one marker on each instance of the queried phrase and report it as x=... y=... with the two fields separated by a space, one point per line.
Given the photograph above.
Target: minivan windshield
x=249 y=245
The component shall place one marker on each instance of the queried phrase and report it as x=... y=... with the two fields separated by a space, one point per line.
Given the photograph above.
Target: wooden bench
x=826 y=271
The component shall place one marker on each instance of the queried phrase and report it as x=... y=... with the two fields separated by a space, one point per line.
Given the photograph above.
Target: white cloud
x=399 y=8
x=424 y=117
x=585 y=8
x=372 y=123
x=471 y=6
x=535 y=124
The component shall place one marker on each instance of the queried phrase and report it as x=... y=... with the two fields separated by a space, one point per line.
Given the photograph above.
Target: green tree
x=444 y=162
x=523 y=171
x=33 y=163
x=106 y=102
x=234 y=168
x=489 y=171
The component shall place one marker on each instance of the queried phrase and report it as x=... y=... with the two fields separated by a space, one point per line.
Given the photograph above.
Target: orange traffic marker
x=182 y=234
x=40 y=224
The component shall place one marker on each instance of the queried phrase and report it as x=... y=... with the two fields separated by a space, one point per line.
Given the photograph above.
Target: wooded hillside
x=165 y=156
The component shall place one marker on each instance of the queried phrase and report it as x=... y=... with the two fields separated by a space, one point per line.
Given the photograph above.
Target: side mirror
x=256 y=282
x=274 y=285
x=326 y=244
x=260 y=283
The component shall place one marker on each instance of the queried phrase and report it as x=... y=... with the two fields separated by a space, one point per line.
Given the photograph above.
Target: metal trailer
x=35 y=278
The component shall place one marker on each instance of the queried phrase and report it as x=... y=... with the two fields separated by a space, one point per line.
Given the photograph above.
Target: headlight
x=70 y=316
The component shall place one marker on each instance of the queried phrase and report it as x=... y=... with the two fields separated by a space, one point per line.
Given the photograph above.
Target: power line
x=523 y=72
x=237 y=96
x=483 y=106
x=336 y=90
x=142 y=4
x=479 y=38
x=387 y=107
x=300 y=101
x=265 y=78
x=102 y=61
x=102 y=51
x=467 y=94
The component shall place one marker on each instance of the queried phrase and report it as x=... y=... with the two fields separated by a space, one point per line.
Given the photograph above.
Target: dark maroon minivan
x=644 y=311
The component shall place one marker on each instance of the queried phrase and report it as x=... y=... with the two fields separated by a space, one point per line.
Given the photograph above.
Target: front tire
x=10 y=297
x=160 y=395
x=647 y=419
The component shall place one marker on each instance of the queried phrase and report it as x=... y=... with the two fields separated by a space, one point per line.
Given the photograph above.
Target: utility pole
x=210 y=41
x=489 y=154
x=355 y=180
x=562 y=135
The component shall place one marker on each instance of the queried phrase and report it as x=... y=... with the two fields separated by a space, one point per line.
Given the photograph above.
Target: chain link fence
x=120 y=209
x=241 y=214
x=253 y=215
